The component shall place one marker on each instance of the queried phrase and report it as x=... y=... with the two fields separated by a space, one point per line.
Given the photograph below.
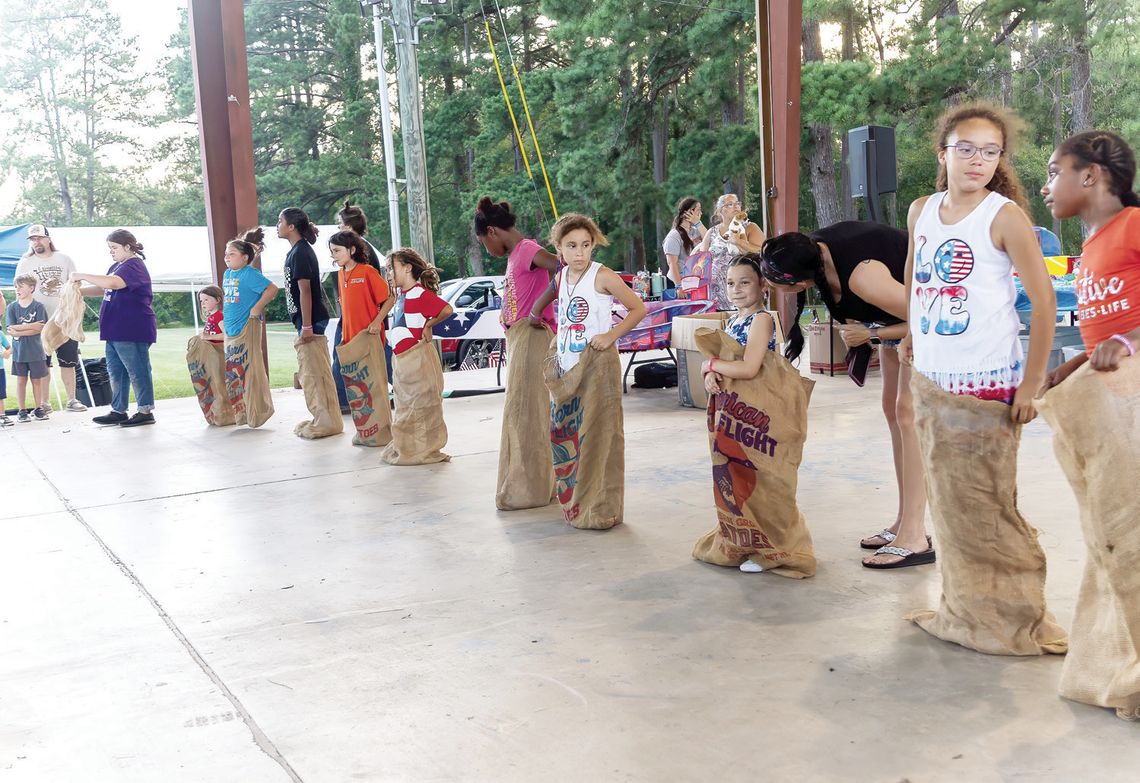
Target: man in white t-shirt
x=52 y=269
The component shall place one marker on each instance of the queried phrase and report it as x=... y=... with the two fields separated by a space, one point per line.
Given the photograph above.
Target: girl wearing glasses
x=973 y=387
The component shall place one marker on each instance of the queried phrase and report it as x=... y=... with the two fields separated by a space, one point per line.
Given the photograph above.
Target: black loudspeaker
x=872 y=165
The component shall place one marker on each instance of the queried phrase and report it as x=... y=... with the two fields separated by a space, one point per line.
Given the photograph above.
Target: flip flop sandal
x=889 y=537
x=884 y=534
x=909 y=558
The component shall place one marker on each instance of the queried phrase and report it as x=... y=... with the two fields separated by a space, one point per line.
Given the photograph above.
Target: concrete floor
x=187 y=604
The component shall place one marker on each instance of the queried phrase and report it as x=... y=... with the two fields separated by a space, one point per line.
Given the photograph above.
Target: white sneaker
x=749 y=567
x=76 y=406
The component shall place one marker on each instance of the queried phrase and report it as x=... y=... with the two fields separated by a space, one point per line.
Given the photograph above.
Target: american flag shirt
x=963 y=319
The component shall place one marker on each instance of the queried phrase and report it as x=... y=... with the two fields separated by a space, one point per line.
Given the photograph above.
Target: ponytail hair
x=422 y=272
x=357 y=247
x=249 y=244
x=1005 y=180
x=120 y=236
x=789 y=259
x=489 y=215
x=1112 y=154
x=296 y=217
x=683 y=206
x=354 y=218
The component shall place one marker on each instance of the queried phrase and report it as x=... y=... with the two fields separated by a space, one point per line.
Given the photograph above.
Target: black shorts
x=68 y=354
x=3 y=388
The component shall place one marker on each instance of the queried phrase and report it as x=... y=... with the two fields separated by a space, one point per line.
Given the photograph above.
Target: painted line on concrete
x=259 y=736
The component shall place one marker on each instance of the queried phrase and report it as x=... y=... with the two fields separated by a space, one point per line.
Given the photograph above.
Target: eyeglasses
x=966 y=150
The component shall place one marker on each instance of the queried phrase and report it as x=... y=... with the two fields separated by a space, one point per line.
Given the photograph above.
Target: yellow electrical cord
x=534 y=136
x=503 y=84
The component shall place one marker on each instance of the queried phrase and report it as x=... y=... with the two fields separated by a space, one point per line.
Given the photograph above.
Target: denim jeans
x=128 y=364
x=341 y=394
x=318 y=327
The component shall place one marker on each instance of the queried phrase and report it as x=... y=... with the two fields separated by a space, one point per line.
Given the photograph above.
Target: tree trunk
x=1081 y=76
x=821 y=154
x=474 y=256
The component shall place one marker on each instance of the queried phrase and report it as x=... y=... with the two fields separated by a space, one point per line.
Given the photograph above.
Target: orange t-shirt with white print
x=1108 y=281
x=362 y=293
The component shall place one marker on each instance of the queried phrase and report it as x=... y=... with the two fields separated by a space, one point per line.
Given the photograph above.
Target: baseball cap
x=37 y=230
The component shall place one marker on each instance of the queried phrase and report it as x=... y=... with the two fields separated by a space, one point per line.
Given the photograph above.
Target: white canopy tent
x=178 y=257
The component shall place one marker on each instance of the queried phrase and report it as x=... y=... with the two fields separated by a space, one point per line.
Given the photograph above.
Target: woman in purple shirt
x=127 y=326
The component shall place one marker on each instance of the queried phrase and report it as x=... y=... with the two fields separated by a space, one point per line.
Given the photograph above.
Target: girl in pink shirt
x=526 y=468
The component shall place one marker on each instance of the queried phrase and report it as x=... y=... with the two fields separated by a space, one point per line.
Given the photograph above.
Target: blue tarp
x=13 y=244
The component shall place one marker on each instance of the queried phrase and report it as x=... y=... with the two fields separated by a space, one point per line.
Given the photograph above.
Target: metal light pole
x=386 y=128
x=411 y=126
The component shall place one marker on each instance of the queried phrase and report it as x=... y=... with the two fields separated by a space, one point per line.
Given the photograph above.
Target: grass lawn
x=168 y=359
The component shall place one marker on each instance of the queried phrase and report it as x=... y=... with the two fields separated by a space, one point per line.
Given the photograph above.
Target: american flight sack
x=757 y=430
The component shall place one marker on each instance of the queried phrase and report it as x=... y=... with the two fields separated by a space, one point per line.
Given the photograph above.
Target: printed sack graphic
x=757 y=429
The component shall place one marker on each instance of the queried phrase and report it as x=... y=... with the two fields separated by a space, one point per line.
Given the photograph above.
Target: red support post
x=221 y=89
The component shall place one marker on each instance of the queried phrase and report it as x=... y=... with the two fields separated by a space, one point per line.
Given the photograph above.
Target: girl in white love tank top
x=964 y=325
x=582 y=313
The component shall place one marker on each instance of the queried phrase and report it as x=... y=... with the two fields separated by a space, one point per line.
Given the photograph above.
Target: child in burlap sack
x=1095 y=415
x=973 y=389
x=364 y=304
x=526 y=471
x=245 y=294
x=757 y=419
x=418 y=429
x=587 y=437
x=206 y=361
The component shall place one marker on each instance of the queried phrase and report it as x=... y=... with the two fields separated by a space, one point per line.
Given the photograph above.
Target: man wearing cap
x=51 y=270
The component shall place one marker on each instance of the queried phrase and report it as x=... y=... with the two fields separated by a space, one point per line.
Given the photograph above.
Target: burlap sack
x=526 y=468
x=66 y=323
x=587 y=439
x=247 y=381
x=993 y=569
x=315 y=372
x=365 y=375
x=206 y=361
x=1095 y=418
x=757 y=430
x=418 y=429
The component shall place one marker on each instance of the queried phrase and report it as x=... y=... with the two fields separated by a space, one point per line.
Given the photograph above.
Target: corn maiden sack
x=587 y=438
x=757 y=429
x=206 y=362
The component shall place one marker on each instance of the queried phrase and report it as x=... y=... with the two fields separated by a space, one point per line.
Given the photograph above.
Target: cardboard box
x=690 y=383
x=827 y=355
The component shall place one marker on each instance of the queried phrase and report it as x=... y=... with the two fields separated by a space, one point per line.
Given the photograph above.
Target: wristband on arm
x=1128 y=346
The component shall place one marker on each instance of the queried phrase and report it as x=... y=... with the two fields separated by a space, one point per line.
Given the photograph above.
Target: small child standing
x=587 y=425
x=418 y=430
x=365 y=300
x=5 y=352
x=757 y=407
x=26 y=319
x=246 y=293
x=210 y=301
